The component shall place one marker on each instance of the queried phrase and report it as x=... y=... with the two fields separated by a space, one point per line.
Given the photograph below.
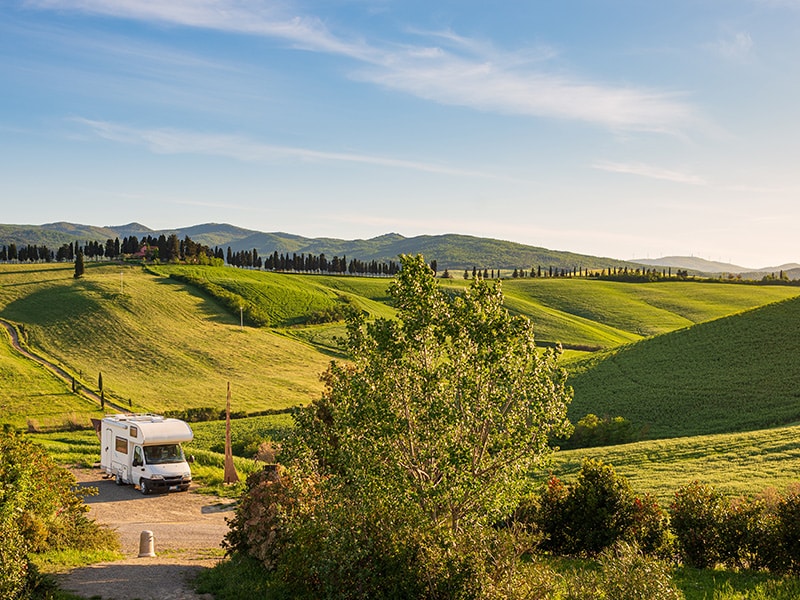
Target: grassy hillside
x=163 y=344
x=738 y=464
x=157 y=342
x=737 y=373
x=31 y=395
x=290 y=299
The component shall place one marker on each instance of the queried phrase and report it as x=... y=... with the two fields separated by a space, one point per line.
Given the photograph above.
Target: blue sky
x=616 y=128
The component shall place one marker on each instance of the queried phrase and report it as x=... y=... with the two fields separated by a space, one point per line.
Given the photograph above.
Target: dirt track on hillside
x=187 y=529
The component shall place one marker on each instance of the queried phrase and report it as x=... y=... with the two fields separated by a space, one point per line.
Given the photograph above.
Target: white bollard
x=146 y=544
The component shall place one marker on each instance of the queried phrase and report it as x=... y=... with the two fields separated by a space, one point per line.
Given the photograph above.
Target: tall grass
x=733 y=374
x=738 y=464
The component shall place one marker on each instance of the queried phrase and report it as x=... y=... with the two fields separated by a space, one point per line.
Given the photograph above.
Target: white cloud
x=451 y=69
x=737 y=46
x=649 y=171
x=176 y=141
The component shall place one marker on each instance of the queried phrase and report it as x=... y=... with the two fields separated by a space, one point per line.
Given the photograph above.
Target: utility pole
x=241 y=317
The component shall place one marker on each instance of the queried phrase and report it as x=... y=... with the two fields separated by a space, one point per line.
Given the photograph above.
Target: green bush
x=40 y=510
x=788 y=515
x=697 y=515
x=592 y=431
x=599 y=510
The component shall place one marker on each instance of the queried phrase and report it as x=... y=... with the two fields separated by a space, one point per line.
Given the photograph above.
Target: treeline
x=612 y=273
x=310 y=263
x=162 y=248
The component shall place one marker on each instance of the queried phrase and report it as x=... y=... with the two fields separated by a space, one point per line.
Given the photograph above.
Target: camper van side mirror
x=190 y=458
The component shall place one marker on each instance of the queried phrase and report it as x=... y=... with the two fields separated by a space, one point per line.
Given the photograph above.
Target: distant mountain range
x=451 y=251
x=701 y=265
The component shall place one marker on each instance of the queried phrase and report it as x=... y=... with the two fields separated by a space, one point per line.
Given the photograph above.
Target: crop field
x=738 y=464
x=631 y=311
x=733 y=374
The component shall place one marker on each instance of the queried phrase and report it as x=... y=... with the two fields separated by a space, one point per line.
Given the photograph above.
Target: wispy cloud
x=737 y=46
x=650 y=171
x=444 y=67
x=176 y=141
x=269 y=19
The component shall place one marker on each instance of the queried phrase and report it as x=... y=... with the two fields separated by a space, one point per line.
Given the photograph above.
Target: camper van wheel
x=118 y=479
x=145 y=489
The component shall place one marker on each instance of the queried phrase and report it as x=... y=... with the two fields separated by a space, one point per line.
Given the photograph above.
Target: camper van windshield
x=168 y=453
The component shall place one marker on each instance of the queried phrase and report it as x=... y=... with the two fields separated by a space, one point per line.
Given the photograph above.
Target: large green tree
x=449 y=407
x=430 y=433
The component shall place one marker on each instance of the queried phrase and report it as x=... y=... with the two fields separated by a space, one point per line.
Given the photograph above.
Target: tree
x=79 y=267
x=428 y=435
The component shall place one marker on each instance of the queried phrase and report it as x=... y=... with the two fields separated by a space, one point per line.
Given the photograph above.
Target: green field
x=713 y=365
x=739 y=464
x=31 y=396
x=162 y=344
x=158 y=343
x=734 y=374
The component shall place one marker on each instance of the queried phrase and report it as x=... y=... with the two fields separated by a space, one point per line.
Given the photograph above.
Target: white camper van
x=145 y=450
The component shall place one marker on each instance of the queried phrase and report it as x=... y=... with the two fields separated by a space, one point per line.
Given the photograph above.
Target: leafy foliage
x=599 y=510
x=592 y=430
x=40 y=510
x=418 y=447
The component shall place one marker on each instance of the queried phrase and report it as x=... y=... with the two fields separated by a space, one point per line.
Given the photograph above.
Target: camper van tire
x=143 y=487
x=118 y=479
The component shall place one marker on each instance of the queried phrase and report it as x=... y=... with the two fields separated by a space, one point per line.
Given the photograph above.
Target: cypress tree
x=79 y=267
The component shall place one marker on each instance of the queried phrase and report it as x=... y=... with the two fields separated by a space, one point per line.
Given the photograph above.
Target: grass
x=159 y=344
x=31 y=396
x=623 y=312
x=733 y=374
x=738 y=464
x=242 y=577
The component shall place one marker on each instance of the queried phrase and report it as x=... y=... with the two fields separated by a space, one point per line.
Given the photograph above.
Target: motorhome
x=145 y=450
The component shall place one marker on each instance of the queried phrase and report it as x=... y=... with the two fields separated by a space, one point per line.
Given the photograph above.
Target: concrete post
x=146 y=544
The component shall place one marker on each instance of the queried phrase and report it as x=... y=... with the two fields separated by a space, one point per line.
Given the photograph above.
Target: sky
x=617 y=128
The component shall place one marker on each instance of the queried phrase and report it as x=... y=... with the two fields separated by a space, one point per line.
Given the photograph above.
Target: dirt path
x=55 y=369
x=187 y=530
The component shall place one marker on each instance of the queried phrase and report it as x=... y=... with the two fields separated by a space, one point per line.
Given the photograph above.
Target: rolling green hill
x=163 y=344
x=158 y=343
x=738 y=464
x=737 y=373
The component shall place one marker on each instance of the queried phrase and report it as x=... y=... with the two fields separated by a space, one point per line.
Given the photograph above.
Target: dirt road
x=187 y=530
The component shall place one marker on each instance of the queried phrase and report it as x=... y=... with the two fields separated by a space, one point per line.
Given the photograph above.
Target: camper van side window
x=134 y=431
x=121 y=445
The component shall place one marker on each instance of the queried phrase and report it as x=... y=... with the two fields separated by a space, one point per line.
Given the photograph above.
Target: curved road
x=54 y=368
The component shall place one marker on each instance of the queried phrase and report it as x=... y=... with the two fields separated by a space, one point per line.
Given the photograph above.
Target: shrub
x=649 y=527
x=592 y=431
x=40 y=510
x=256 y=529
x=697 y=515
x=788 y=516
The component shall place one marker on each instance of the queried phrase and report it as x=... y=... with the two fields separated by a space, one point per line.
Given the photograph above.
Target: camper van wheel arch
x=145 y=489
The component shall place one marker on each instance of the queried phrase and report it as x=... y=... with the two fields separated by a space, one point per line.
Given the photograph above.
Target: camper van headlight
x=157 y=477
